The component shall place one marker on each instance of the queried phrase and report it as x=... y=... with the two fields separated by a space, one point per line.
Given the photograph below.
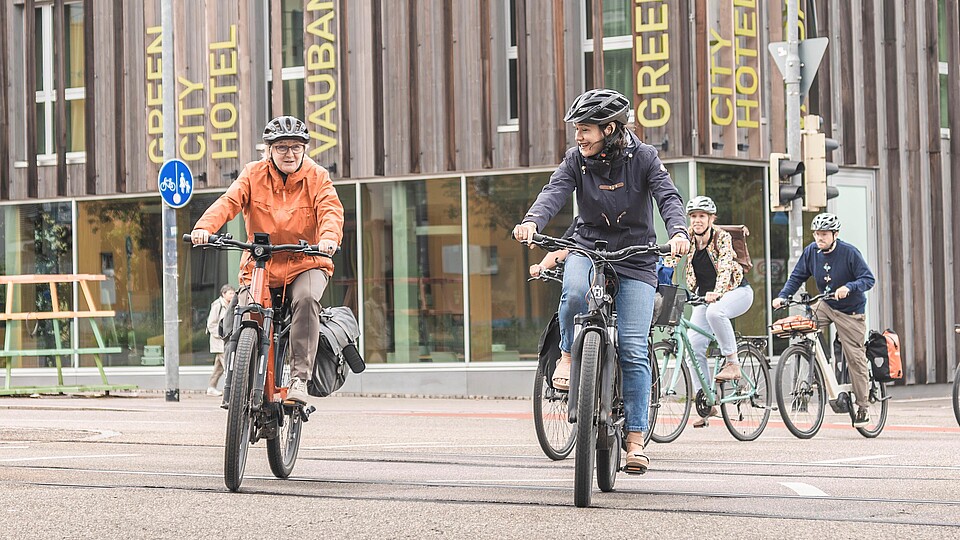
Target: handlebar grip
x=537 y=237
x=187 y=239
x=664 y=249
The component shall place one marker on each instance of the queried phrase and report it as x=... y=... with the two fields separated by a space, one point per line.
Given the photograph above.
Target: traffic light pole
x=792 y=82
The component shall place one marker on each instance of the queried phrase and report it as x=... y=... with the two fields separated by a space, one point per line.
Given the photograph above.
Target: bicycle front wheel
x=746 y=402
x=586 y=420
x=282 y=450
x=878 y=394
x=800 y=392
x=554 y=432
x=956 y=394
x=239 y=417
x=674 y=387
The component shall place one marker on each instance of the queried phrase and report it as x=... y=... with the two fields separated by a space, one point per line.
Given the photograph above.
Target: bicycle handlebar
x=807 y=300
x=226 y=241
x=550 y=243
x=551 y=274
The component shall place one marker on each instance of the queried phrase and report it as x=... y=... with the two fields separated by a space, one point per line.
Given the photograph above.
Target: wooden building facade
x=393 y=90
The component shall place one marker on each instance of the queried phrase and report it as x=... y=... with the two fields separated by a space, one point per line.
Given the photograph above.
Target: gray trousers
x=851 y=330
x=304 y=293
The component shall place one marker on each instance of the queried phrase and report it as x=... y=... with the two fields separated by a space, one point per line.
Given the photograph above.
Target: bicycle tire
x=554 y=432
x=799 y=388
x=586 y=446
x=956 y=394
x=239 y=417
x=608 y=463
x=878 y=394
x=282 y=450
x=747 y=417
x=673 y=397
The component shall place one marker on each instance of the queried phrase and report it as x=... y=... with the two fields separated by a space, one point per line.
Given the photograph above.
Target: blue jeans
x=634 y=311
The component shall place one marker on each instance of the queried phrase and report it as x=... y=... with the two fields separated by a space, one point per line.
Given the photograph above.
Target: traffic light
x=816 y=167
x=782 y=192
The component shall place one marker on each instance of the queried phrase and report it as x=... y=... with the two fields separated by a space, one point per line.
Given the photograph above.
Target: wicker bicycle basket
x=789 y=325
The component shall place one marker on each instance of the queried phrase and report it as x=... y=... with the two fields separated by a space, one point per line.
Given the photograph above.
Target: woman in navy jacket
x=616 y=178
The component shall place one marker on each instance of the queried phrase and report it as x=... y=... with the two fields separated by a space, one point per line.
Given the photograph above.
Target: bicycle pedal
x=306 y=411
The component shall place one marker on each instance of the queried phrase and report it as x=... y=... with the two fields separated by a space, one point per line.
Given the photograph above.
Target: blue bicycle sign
x=175 y=183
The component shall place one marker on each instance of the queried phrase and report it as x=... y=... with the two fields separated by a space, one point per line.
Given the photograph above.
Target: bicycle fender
x=608 y=374
x=573 y=394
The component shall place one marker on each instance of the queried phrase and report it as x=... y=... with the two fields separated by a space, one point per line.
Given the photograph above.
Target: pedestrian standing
x=218 y=310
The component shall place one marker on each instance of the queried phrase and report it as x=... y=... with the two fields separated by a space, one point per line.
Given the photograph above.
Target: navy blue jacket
x=844 y=266
x=615 y=201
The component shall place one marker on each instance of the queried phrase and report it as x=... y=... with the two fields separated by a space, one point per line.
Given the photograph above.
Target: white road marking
x=804 y=490
x=851 y=459
x=41 y=458
x=5 y=446
x=417 y=445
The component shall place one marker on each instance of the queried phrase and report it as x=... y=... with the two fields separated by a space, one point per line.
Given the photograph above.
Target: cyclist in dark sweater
x=616 y=178
x=838 y=268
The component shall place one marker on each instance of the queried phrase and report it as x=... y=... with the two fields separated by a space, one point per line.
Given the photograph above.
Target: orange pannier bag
x=794 y=323
x=883 y=352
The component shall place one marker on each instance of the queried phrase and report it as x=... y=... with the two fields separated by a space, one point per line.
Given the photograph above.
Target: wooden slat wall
x=400 y=97
x=5 y=161
x=952 y=15
x=28 y=99
x=443 y=97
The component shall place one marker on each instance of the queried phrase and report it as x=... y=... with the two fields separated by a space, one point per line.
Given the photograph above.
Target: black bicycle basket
x=668 y=305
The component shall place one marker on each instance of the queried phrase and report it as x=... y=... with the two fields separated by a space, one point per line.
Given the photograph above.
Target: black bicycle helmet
x=285 y=127
x=599 y=106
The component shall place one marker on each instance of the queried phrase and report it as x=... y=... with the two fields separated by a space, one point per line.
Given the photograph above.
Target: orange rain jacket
x=306 y=207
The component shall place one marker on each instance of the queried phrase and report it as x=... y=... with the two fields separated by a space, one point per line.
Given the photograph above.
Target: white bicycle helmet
x=285 y=127
x=825 y=222
x=701 y=203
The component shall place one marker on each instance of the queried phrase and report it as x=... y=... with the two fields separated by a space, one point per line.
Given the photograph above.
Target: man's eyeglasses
x=283 y=149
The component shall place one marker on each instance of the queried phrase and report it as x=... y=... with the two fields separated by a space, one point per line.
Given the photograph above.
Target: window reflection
x=507 y=314
x=412 y=271
x=37 y=239
x=121 y=239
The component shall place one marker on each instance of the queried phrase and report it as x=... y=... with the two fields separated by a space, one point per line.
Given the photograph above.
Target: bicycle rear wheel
x=239 y=417
x=554 y=432
x=674 y=387
x=800 y=393
x=746 y=402
x=282 y=450
x=586 y=420
x=608 y=461
x=878 y=393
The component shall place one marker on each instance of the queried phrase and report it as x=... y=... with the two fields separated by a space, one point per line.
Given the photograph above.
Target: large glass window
x=46 y=79
x=342 y=291
x=507 y=314
x=412 y=271
x=617 y=46
x=738 y=192
x=120 y=239
x=37 y=239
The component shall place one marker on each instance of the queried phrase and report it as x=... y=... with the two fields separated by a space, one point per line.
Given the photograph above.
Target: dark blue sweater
x=615 y=200
x=844 y=266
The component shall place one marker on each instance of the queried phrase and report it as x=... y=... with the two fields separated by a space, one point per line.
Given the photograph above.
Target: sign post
x=171 y=323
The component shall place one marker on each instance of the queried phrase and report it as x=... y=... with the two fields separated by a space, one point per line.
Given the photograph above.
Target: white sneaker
x=213 y=392
x=297 y=392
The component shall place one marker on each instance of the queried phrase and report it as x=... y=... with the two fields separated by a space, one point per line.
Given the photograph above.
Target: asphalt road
x=139 y=467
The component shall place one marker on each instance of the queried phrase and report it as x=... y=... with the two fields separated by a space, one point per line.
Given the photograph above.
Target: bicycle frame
x=833 y=387
x=686 y=354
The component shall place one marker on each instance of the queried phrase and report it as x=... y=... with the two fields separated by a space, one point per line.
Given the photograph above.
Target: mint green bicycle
x=744 y=403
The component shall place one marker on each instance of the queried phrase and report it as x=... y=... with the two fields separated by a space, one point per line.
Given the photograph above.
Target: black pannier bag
x=337 y=351
x=550 y=348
